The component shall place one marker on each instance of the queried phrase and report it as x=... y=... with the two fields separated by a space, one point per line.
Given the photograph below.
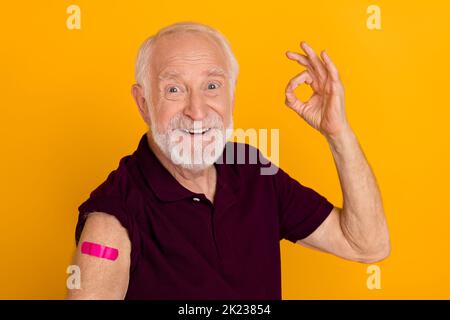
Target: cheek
x=222 y=105
x=164 y=112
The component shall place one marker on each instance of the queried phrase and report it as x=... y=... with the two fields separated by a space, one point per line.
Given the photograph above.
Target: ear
x=138 y=94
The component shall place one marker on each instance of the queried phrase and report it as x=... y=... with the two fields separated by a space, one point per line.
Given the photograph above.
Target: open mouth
x=197 y=131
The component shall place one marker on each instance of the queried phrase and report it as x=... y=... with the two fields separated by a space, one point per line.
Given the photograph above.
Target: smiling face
x=191 y=98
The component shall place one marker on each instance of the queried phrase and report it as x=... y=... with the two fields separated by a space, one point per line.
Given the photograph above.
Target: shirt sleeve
x=106 y=204
x=301 y=209
x=109 y=198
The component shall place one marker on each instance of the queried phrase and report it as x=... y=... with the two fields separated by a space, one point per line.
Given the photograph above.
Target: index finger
x=315 y=60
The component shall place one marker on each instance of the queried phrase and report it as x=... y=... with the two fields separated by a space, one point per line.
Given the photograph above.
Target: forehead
x=187 y=50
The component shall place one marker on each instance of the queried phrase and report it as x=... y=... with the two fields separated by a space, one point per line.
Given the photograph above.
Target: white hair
x=142 y=73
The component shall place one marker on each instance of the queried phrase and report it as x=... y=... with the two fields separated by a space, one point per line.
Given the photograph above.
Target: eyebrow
x=173 y=74
x=216 y=72
x=168 y=75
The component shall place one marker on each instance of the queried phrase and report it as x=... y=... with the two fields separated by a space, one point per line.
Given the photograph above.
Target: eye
x=174 y=91
x=213 y=86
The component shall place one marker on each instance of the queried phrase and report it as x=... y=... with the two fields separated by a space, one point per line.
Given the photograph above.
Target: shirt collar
x=167 y=188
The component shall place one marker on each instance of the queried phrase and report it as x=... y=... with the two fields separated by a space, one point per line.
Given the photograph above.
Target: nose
x=196 y=107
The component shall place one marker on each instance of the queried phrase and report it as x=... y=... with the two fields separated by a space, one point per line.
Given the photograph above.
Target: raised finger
x=304 y=61
x=315 y=61
x=300 y=58
x=332 y=70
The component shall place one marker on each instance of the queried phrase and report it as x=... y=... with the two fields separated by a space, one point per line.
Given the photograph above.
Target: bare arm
x=102 y=278
x=359 y=230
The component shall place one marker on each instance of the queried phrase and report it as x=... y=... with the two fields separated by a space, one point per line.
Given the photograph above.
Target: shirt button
x=196 y=199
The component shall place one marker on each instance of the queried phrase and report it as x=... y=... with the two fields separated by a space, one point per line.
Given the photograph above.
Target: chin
x=196 y=160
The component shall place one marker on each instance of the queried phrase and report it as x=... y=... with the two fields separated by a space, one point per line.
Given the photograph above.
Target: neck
x=198 y=181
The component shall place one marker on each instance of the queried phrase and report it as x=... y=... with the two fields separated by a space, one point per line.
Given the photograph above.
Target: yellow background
x=67 y=117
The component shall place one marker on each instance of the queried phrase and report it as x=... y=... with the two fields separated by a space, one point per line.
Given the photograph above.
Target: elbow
x=379 y=254
x=376 y=248
x=377 y=257
x=371 y=245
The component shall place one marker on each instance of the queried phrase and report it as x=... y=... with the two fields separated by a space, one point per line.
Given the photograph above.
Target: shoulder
x=117 y=183
x=111 y=195
x=110 y=199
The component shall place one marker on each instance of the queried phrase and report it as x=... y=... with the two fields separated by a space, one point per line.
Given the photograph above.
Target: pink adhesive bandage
x=97 y=250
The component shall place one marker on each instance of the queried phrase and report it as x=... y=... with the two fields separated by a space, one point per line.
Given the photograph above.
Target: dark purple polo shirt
x=185 y=247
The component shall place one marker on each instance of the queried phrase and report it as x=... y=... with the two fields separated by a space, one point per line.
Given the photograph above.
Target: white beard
x=193 y=152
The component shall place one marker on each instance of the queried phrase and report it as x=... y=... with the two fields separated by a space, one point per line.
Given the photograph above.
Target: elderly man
x=163 y=226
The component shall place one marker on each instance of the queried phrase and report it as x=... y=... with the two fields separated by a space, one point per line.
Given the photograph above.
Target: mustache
x=182 y=122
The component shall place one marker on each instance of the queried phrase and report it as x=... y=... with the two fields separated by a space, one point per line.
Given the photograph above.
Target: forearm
x=362 y=218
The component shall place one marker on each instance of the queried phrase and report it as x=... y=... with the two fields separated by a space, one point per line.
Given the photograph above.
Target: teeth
x=196 y=131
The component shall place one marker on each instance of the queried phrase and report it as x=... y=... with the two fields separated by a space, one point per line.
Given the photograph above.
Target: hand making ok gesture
x=325 y=109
